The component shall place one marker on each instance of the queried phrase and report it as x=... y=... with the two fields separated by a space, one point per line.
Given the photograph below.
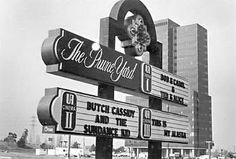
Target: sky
x=24 y=24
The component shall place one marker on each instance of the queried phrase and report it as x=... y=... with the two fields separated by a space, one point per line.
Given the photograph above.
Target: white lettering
x=94 y=59
x=68 y=120
x=70 y=99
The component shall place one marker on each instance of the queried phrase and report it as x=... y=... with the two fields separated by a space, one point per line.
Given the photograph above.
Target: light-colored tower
x=185 y=54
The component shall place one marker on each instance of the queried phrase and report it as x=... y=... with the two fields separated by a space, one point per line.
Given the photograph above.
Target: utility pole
x=84 y=148
x=69 y=142
x=32 y=133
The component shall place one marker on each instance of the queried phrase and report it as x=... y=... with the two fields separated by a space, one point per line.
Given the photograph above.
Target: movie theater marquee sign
x=72 y=56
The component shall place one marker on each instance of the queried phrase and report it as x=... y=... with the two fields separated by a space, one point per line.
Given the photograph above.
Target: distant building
x=185 y=54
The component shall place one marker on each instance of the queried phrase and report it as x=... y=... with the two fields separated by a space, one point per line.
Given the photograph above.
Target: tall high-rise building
x=166 y=30
x=185 y=54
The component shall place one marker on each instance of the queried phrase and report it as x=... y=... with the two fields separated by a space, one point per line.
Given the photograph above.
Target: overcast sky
x=24 y=24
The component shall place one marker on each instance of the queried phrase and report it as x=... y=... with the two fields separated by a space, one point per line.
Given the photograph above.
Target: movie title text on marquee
x=164 y=126
x=83 y=114
x=165 y=85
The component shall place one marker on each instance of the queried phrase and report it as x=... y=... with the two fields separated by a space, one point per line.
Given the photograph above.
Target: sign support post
x=104 y=145
x=155 y=53
x=155 y=147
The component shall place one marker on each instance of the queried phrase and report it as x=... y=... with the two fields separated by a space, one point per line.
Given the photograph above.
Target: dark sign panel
x=68 y=111
x=71 y=54
x=146 y=123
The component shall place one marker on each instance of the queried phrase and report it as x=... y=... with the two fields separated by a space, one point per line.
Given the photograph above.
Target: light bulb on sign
x=95 y=46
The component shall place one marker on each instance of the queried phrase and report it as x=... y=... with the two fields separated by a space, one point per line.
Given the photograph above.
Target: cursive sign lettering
x=94 y=59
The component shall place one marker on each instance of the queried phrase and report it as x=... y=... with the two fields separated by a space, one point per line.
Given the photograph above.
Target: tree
x=75 y=145
x=23 y=140
x=230 y=155
x=215 y=153
x=11 y=138
x=46 y=146
x=92 y=148
x=119 y=149
x=43 y=146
